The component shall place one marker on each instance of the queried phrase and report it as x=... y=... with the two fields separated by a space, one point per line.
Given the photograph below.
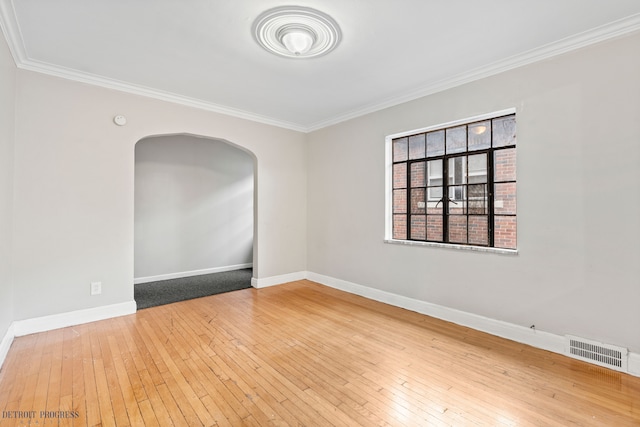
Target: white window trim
x=388 y=223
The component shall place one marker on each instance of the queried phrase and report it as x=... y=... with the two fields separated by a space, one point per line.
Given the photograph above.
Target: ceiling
x=202 y=53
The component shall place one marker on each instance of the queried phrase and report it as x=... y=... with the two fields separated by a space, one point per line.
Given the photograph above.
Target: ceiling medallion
x=296 y=32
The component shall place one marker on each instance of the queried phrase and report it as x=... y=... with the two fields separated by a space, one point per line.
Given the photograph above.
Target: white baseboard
x=278 y=280
x=62 y=320
x=182 y=274
x=535 y=338
x=5 y=344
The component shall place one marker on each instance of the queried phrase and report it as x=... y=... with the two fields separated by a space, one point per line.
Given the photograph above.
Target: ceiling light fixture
x=297 y=41
x=296 y=32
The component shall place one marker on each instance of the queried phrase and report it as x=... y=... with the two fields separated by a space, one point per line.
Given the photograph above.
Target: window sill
x=454 y=246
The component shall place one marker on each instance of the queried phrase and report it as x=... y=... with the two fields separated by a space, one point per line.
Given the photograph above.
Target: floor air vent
x=609 y=356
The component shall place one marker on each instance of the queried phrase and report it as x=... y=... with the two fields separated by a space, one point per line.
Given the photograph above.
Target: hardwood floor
x=299 y=354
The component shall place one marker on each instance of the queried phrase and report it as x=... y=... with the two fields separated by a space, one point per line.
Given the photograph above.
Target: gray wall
x=74 y=190
x=7 y=105
x=578 y=266
x=193 y=205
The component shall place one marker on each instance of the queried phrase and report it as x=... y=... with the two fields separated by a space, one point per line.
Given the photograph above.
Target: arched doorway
x=194 y=218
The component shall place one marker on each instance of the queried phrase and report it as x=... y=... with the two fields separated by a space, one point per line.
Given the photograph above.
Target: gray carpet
x=173 y=290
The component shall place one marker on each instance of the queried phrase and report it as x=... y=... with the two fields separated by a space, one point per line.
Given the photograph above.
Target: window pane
x=456 y=171
x=399 y=201
x=416 y=147
x=457 y=200
x=418 y=202
x=504 y=233
x=434 y=226
x=418 y=175
x=435 y=143
x=458 y=229
x=400 y=149
x=477 y=168
x=400 y=175
x=434 y=194
x=478 y=199
x=435 y=171
x=418 y=227
x=434 y=179
x=504 y=131
x=505 y=198
x=480 y=135
x=478 y=230
x=400 y=227
x=504 y=165
x=457 y=139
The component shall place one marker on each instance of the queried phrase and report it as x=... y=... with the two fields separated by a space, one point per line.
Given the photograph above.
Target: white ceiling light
x=297 y=41
x=296 y=32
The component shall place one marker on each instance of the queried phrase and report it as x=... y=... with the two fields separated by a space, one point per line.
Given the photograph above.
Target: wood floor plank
x=85 y=393
x=71 y=370
x=301 y=354
x=176 y=415
x=52 y=402
x=106 y=416
x=148 y=415
x=155 y=400
x=124 y=383
x=128 y=366
x=115 y=391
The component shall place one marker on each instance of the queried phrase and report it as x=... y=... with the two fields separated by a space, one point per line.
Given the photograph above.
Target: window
x=456 y=184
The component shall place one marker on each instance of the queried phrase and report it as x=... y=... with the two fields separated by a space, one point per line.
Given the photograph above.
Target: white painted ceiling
x=202 y=53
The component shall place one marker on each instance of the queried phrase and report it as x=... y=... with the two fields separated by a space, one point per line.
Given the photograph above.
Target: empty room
x=435 y=207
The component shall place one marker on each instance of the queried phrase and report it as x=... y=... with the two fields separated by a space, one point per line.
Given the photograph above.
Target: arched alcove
x=194 y=205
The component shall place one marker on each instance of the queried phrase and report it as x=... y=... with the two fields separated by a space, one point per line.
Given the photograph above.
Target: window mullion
x=465 y=202
x=490 y=201
x=408 y=214
x=445 y=197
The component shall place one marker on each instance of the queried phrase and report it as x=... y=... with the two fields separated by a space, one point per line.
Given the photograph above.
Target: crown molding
x=11 y=31
x=13 y=35
x=605 y=32
x=96 y=80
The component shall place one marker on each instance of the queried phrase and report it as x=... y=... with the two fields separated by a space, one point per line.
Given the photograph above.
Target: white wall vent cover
x=609 y=356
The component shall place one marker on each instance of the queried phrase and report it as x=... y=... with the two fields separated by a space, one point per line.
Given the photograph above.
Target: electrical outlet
x=96 y=288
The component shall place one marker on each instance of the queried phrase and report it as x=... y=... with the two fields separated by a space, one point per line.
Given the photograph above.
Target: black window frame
x=445 y=188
